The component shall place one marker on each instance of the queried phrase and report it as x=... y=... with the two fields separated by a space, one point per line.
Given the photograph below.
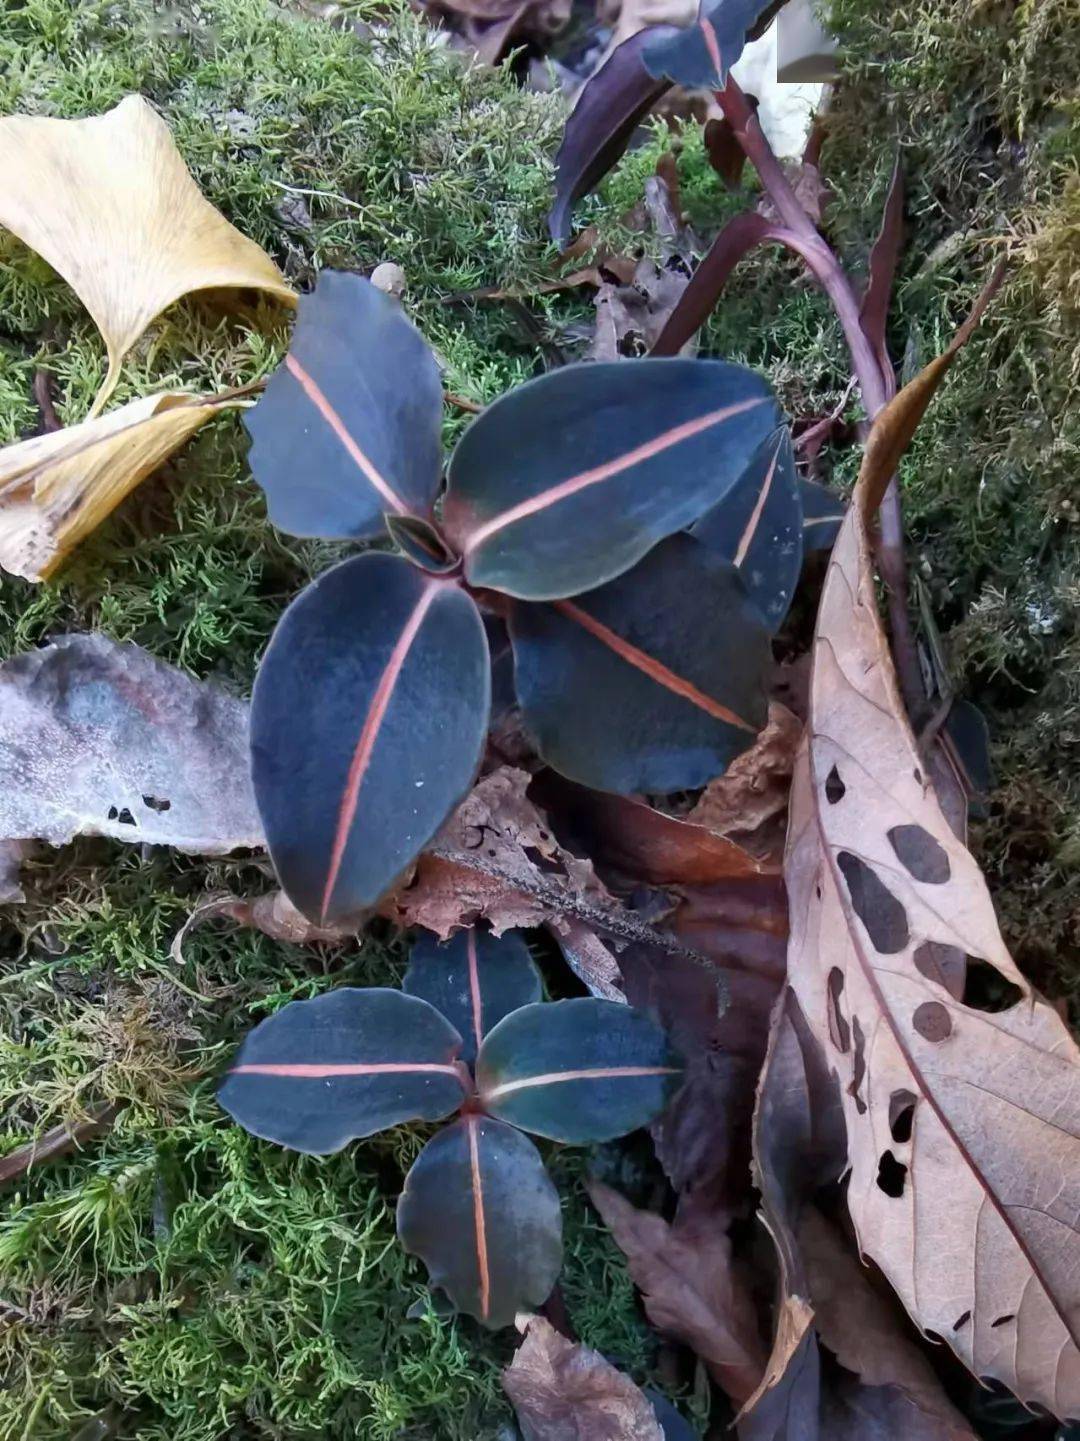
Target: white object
x=805 y=50
x=785 y=110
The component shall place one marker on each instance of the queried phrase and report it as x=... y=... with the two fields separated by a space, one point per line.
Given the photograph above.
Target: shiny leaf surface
x=367 y=725
x=569 y=480
x=758 y=527
x=652 y=682
x=612 y=103
x=577 y=1071
x=349 y=427
x=700 y=56
x=481 y=1212
x=823 y=510
x=474 y=979
x=318 y=1074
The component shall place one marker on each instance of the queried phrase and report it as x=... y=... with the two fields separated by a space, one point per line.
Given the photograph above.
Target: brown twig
x=462 y=402
x=59 y=1141
x=874 y=385
x=43 y=394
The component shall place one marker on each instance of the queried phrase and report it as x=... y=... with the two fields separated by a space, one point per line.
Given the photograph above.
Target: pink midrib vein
x=599 y=473
x=369 y=734
x=317 y=1071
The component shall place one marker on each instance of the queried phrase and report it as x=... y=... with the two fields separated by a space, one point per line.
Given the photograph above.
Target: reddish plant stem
x=874 y=386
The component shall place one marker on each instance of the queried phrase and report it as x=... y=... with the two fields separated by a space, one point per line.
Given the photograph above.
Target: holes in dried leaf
x=859 y=1066
x=961 y=1320
x=839 y=1030
x=157 y=803
x=875 y=905
x=901 y=1116
x=920 y=854
x=932 y=1021
x=891 y=1175
x=945 y=965
x=1003 y=1320
x=986 y=989
x=834 y=787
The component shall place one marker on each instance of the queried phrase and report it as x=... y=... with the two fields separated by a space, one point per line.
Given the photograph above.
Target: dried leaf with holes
x=58 y=487
x=110 y=204
x=963 y=1115
x=98 y=738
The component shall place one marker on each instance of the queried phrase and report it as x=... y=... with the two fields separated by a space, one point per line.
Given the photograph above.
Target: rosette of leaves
x=468 y=1034
x=637 y=526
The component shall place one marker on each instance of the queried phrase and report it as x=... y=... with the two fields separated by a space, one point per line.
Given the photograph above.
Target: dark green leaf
x=653 y=682
x=758 y=527
x=577 y=1071
x=474 y=979
x=700 y=56
x=349 y=427
x=421 y=543
x=367 y=725
x=482 y=1214
x=823 y=510
x=568 y=481
x=318 y=1074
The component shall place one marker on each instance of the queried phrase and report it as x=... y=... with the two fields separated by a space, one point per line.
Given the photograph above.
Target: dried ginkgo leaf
x=56 y=488
x=110 y=204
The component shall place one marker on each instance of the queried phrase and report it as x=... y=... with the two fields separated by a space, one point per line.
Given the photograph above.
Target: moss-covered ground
x=177 y=1280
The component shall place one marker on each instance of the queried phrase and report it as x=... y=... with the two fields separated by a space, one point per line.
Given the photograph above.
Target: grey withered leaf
x=99 y=738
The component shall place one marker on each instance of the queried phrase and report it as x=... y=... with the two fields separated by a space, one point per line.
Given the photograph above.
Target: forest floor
x=179 y=1280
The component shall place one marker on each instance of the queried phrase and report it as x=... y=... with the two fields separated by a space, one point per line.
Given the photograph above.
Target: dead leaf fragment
x=963 y=1120
x=748 y=803
x=562 y=1391
x=690 y=1286
x=110 y=204
x=58 y=487
x=98 y=738
x=273 y=914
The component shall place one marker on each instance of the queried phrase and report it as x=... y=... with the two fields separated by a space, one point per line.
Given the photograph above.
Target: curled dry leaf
x=273 y=914
x=496 y=859
x=562 y=1391
x=692 y=1290
x=110 y=204
x=58 y=487
x=748 y=803
x=98 y=738
x=963 y=1115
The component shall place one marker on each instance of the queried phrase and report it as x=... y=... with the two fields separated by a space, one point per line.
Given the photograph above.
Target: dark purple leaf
x=699 y=57
x=576 y=1071
x=738 y=237
x=349 y=427
x=474 y=979
x=481 y=1212
x=611 y=105
x=568 y=481
x=874 y=312
x=652 y=682
x=318 y=1074
x=758 y=526
x=823 y=510
x=367 y=725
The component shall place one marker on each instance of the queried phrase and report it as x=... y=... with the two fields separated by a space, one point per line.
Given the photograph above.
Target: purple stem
x=874 y=386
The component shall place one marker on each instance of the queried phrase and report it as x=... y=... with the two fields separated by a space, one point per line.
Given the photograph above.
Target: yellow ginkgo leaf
x=56 y=488
x=110 y=204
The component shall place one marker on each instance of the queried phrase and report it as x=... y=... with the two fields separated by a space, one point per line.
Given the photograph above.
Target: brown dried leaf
x=691 y=1289
x=273 y=914
x=110 y=204
x=562 y=1391
x=98 y=738
x=496 y=859
x=58 y=487
x=963 y=1125
x=867 y=1336
x=748 y=803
